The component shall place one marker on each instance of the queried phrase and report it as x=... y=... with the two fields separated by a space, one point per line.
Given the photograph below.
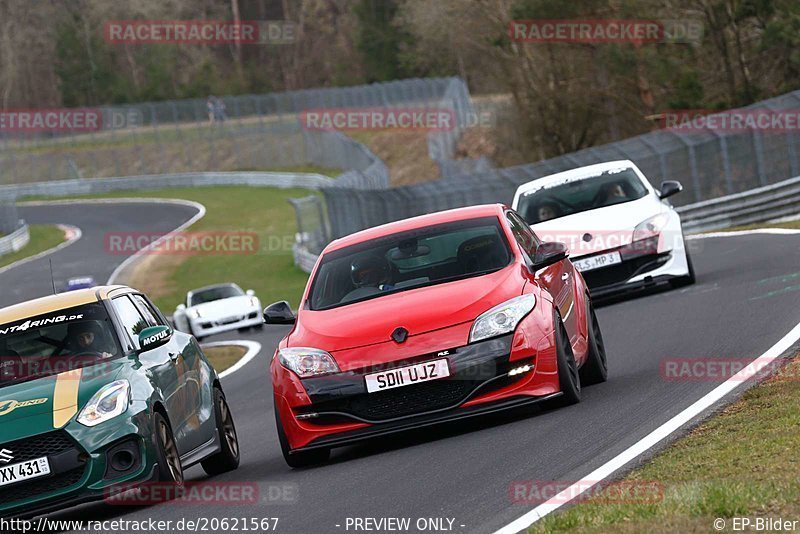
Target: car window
x=214 y=293
x=147 y=311
x=132 y=321
x=527 y=238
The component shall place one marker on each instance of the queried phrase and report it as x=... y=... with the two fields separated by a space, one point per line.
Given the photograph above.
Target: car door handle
x=565 y=276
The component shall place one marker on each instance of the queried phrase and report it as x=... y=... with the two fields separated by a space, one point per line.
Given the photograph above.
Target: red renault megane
x=430 y=319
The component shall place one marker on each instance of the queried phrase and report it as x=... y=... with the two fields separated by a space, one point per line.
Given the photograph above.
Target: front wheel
x=227 y=459
x=569 y=377
x=170 y=469
x=689 y=279
x=298 y=459
x=595 y=370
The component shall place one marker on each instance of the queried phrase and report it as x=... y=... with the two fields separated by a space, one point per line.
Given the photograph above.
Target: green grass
x=43 y=237
x=270 y=272
x=224 y=357
x=742 y=463
x=792 y=225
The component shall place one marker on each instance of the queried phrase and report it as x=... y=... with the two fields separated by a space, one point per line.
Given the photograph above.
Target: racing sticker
x=8 y=406
x=39 y=322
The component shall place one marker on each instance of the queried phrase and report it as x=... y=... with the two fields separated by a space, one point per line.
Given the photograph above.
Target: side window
x=132 y=320
x=526 y=238
x=153 y=318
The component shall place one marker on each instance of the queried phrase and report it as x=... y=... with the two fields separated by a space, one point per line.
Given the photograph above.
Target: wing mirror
x=548 y=253
x=279 y=313
x=153 y=337
x=181 y=307
x=669 y=188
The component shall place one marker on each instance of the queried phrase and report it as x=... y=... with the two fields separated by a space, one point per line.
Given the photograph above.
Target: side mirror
x=153 y=337
x=279 y=313
x=548 y=253
x=181 y=307
x=250 y=293
x=669 y=188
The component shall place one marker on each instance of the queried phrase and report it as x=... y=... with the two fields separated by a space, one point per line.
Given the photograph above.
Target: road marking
x=72 y=234
x=253 y=348
x=656 y=436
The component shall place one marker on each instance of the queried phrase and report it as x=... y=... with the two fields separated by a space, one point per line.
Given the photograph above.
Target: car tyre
x=689 y=279
x=228 y=457
x=298 y=459
x=170 y=469
x=569 y=378
x=595 y=370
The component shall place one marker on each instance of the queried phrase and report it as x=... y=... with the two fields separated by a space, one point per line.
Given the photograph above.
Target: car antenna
x=52 y=280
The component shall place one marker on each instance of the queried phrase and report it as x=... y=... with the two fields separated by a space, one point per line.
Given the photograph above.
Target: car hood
x=223 y=308
x=609 y=227
x=418 y=310
x=46 y=403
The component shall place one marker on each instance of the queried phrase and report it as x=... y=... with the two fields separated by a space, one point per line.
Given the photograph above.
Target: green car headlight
x=109 y=402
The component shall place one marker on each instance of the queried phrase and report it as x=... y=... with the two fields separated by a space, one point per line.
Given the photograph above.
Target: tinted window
x=526 y=238
x=559 y=200
x=56 y=342
x=406 y=260
x=214 y=293
x=147 y=311
x=132 y=321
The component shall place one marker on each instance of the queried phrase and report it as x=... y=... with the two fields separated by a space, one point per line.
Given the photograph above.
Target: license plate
x=405 y=376
x=11 y=474
x=595 y=262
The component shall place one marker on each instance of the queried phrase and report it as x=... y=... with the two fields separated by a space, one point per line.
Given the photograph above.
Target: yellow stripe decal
x=65 y=397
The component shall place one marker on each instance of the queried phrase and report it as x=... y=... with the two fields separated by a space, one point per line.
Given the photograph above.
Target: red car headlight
x=503 y=318
x=307 y=361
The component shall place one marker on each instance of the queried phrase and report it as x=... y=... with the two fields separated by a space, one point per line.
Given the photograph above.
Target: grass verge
x=742 y=463
x=224 y=357
x=270 y=271
x=790 y=225
x=43 y=237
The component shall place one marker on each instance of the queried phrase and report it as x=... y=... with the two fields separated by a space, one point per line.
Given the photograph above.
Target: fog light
x=519 y=370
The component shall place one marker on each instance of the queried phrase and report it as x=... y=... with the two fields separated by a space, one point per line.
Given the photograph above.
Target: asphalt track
x=746 y=298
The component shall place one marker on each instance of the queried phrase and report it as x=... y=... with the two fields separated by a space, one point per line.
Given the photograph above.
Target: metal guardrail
x=758 y=205
x=88 y=186
x=15 y=240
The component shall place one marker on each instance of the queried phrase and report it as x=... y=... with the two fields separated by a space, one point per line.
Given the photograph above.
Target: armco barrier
x=15 y=240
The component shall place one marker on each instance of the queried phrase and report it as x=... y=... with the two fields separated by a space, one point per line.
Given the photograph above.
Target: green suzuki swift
x=99 y=394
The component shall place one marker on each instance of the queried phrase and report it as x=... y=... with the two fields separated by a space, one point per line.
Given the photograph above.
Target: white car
x=622 y=234
x=216 y=309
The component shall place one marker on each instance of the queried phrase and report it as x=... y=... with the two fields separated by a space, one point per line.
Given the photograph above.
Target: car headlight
x=503 y=318
x=306 y=361
x=254 y=302
x=650 y=227
x=194 y=313
x=112 y=400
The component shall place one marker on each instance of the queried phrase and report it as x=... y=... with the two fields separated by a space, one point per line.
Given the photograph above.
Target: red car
x=435 y=318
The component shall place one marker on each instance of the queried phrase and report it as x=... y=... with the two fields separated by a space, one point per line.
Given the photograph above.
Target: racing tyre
x=595 y=370
x=170 y=469
x=227 y=459
x=298 y=459
x=569 y=377
x=689 y=279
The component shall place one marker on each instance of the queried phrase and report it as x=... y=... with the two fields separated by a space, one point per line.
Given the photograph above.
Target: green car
x=98 y=394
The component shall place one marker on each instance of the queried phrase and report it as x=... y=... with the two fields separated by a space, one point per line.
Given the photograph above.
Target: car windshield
x=406 y=260
x=214 y=293
x=598 y=191
x=56 y=342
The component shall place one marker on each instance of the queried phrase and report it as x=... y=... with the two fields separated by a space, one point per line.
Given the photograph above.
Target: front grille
x=50 y=445
x=621 y=272
x=40 y=486
x=229 y=320
x=402 y=401
x=38 y=446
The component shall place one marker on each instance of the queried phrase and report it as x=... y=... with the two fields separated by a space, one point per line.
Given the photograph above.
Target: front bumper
x=81 y=467
x=207 y=327
x=340 y=411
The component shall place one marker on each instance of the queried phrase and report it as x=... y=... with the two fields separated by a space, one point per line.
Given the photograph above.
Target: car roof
x=574 y=174
x=421 y=221
x=60 y=301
